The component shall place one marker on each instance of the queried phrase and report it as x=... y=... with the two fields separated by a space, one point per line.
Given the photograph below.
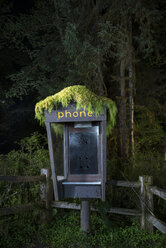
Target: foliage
x=32 y=35
x=149 y=133
x=26 y=161
x=62 y=46
x=17 y=231
x=64 y=232
x=84 y=98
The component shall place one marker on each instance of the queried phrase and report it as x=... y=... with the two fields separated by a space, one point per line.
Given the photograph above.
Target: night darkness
x=18 y=122
x=20 y=7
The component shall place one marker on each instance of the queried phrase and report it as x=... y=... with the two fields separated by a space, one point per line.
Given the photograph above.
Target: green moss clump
x=84 y=98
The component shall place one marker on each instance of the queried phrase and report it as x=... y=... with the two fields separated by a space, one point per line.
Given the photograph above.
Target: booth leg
x=85 y=216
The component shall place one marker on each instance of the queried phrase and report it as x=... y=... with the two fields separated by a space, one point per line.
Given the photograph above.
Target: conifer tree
x=92 y=43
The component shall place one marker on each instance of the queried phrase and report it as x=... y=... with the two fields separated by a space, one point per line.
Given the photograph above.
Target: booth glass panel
x=57 y=142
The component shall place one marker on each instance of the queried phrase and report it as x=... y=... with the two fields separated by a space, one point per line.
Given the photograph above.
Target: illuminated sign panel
x=75 y=114
x=71 y=114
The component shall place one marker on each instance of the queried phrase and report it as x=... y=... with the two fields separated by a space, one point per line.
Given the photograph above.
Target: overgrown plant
x=84 y=98
x=27 y=160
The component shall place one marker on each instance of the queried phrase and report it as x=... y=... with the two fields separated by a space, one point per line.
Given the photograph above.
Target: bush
x=64 y=232
x=27 y=160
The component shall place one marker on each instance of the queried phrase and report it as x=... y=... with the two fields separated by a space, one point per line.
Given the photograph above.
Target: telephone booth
x=82 y=172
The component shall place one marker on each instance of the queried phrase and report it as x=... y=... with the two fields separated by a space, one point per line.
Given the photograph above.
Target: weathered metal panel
x=60 y=191
x=82 y=191
x=81 y=183
x=103 y=157
x=83 y=148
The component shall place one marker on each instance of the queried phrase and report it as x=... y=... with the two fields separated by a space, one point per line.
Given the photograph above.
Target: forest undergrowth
x=64 y=232
x=27 y=230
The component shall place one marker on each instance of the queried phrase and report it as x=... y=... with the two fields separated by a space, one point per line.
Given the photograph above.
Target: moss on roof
x=84 y=98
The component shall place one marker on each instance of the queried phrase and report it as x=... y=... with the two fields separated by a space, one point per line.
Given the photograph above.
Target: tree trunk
x=123 y=109
x=131 y=111
x=165 y=148
x=100 y=76
x=118 y=125
x=58 y=21
x=131 y=94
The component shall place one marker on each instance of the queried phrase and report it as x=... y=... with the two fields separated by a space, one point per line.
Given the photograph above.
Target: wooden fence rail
x=161 y=226
x=159 y=192
x=21 y=179
x=16 y=209
x=121 y=183
x=147 y=190
x=75 y=206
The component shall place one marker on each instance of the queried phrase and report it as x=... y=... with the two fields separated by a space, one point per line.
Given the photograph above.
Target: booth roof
x=84 y=98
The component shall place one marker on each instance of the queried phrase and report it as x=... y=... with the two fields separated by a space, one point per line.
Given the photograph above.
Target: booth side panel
x=66 y=151
x=54 y=178
x=103 y=157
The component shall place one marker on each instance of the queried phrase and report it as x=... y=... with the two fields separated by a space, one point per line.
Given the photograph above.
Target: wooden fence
x=145 y=196
x=46 y=192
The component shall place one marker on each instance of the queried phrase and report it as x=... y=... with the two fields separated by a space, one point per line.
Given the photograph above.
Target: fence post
x=142 y=200
x=46 y=195
x=149 y=202
x=146 y=201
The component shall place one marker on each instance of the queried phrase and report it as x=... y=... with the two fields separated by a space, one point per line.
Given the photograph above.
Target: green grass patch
x=64 y=232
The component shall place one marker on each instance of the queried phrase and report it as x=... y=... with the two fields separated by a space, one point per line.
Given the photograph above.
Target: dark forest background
x=115 y=48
